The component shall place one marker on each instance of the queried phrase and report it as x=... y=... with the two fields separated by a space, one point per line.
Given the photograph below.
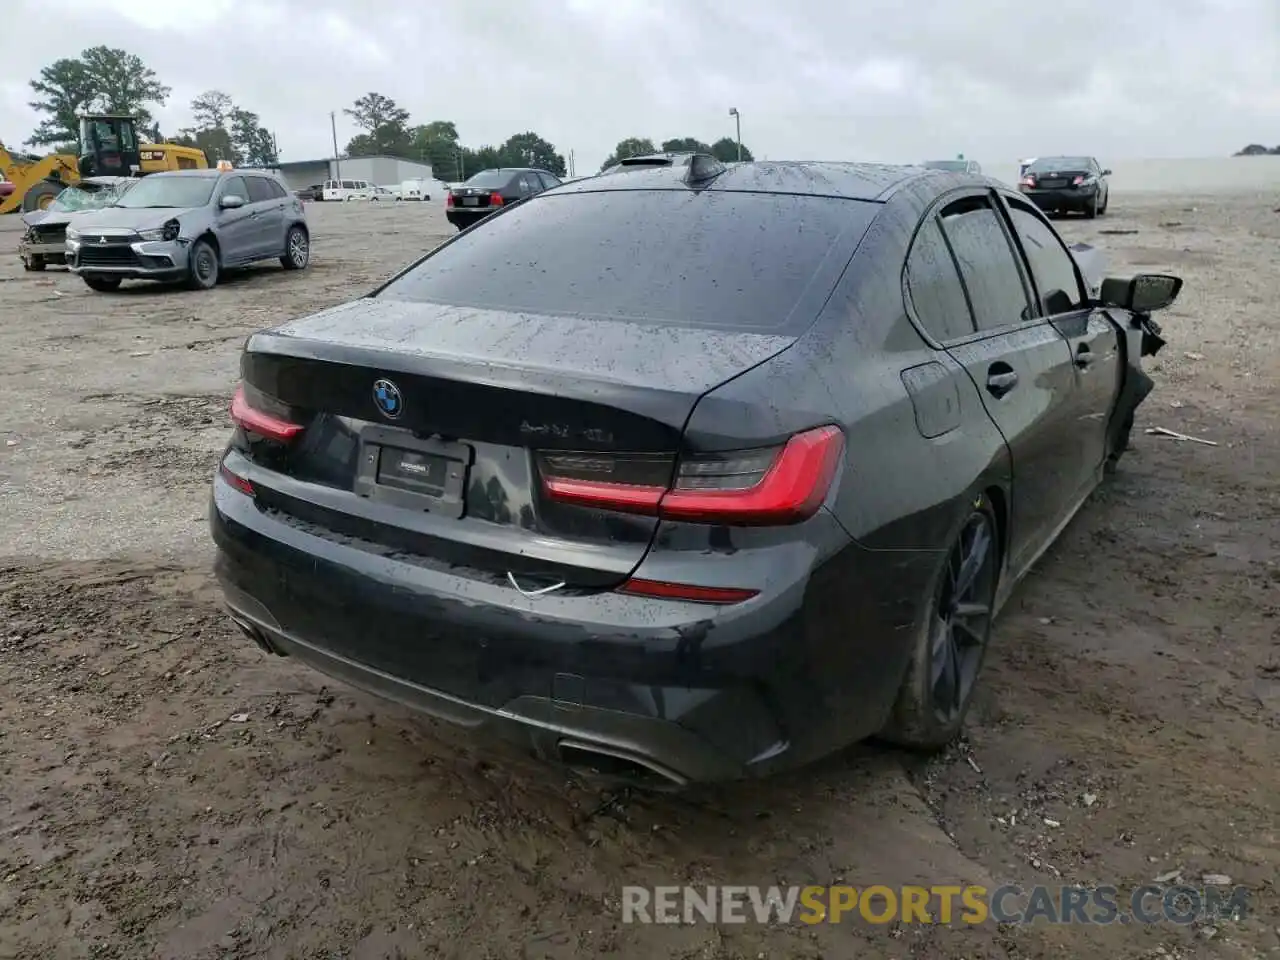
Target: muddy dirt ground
x=1132 y=697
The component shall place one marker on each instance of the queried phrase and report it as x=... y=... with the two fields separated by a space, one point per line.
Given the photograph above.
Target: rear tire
x=297 y=249
x=202 y=266
x=103 y=284
x=34 y=263
x=1091 y=208
x=951 y=644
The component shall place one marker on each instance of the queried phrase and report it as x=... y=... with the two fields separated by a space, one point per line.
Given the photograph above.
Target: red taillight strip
x=237 y=481
x=662 y=590
x=255 y=421
x=626 y=497
x=792 y=490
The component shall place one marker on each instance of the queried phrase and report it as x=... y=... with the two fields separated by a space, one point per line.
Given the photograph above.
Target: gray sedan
x=190 y=225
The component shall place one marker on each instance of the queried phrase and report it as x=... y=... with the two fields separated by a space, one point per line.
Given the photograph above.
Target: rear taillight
x=448 y=200
x=767 y=487
x=495 y=199
x=1078 y=180
x=250 y=411
x=1027 y=182
x=237 y=481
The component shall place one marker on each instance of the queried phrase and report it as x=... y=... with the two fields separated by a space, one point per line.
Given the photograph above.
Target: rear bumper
x=688 y=692
x=1074 y=198
x=465 y=218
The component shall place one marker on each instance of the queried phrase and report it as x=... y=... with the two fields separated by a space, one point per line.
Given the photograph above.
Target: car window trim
x=1007 y=203
x=934 y=212
x=1028 y=291
x=931 y=217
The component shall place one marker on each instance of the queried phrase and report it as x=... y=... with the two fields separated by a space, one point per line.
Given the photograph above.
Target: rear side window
x=736 y=261
x=348 y=184
x=548 y=181
x=277 y=189
x=934 y=286
x=987 y=265
x=1051 y=265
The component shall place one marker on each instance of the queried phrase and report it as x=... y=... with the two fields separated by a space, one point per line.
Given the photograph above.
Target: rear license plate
x=471 y=201
x=416 y=472
x=402 y=470
x=1053 y=184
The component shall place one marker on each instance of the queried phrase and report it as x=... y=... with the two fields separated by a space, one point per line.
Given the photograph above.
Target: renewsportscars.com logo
x=940 y=904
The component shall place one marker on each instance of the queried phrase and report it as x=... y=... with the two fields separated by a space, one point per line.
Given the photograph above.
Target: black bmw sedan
x=685 y=475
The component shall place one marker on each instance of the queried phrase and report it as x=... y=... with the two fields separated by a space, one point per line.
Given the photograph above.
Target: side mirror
x=231 y=202
x=1106 y=173
x=1141 y=294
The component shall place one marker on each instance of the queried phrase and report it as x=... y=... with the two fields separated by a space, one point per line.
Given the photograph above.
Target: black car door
x=1021 y=368
x=1094 y=342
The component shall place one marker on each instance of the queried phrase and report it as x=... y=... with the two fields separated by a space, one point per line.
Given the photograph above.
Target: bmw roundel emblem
x=386 y=395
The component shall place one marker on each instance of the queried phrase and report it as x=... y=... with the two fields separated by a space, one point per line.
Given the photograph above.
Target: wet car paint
x=422 y=607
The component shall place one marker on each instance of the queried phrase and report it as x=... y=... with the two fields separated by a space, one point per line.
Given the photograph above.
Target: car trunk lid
x=450 y=473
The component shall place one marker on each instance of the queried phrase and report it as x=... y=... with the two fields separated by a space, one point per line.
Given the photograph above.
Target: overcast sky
x=814 y=79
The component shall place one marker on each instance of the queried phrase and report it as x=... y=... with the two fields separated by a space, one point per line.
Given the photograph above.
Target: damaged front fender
x=1138 y=336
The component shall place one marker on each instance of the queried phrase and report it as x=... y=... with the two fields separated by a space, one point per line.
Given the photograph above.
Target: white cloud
x=880 y=79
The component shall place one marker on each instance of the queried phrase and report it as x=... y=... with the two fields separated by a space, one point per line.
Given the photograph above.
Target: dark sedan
x=491 y=190
x=1067 y=185
x=681 y=478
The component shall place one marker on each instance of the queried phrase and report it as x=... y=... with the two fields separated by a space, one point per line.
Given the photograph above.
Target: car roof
x=849 y=181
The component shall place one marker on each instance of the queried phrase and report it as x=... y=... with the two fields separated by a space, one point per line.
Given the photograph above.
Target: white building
x=384 y=171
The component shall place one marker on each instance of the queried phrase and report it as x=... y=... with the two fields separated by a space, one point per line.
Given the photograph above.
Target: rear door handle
x=998 y=384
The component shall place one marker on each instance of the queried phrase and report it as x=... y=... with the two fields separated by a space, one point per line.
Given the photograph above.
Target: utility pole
x=733 y=112
x=571 y=163
x=333 y=126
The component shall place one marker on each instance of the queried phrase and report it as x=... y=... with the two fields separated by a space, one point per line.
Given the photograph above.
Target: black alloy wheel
x=961 y=622
x=952 y=641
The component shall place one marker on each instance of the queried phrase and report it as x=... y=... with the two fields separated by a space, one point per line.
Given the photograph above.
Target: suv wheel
x=202 y=266
x=297 y=249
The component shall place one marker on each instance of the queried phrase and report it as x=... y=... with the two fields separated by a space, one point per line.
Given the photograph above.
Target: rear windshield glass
x=489 y=179
x=738 y=261
x=1059 y=163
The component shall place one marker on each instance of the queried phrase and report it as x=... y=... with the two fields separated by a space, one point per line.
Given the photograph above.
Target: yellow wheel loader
x=111 y=147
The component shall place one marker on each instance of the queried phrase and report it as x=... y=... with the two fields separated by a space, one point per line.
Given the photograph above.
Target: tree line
x=1258 y=150
x=386 y=129
x=725 y=149
x=109 y=80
